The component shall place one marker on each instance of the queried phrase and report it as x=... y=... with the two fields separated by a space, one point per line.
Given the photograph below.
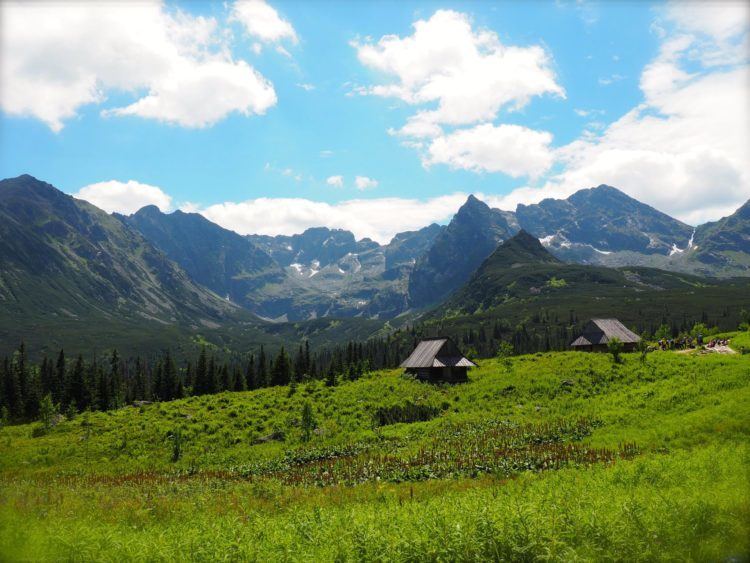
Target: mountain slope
x=405 y=248
x=724 y=245
x=73 y=275
x=473 y=233
x=225 y=262
x=605 y=220
x=522 y=271
x=68 y=248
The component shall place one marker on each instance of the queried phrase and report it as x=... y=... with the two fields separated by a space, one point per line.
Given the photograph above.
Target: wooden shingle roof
x=601 y=331
x=435 y=353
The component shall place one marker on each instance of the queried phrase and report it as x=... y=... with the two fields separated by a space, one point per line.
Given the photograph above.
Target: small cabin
x=438 y=360
x=598 y=332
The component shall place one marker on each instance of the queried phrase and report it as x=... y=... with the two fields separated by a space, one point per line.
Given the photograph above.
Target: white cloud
x=364 y=183
x=58 y=57
x=721 y=19
x=469 y=73
x=459 y=76
x=306 y=87
x=512 y=149
x=685 y=149
x=124 y=197
x=263 y=22
x=335 y=181
x=379 y=219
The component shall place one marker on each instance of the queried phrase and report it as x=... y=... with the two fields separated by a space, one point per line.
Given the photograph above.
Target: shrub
x=408 y=412
x=308 y=421
x=614 y=346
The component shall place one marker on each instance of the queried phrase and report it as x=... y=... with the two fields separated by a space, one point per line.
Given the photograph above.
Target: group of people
x=687 y=342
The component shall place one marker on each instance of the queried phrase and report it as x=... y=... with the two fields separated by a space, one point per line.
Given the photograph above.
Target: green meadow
x=556 y=456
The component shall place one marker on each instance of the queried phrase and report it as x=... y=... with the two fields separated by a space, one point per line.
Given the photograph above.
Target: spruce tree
x=11 y=390
x=225 y=379
x=92 y=376
x=263 y=378
x=116 y=390
x=140 y=390
x=250 y=375
x=47 y=376
x=307 y=422
x=212 y=376
x=75 y=387
x=159 y=381
x=201 y=374
x=104 y=395
x=281 y=371
x=238 y=379
x=299 y=363
x=170 y=379
x=59 y=395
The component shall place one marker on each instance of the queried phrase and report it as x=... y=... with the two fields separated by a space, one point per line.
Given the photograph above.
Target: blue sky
x=549 y=97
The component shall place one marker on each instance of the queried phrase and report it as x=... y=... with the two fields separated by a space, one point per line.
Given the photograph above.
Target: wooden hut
x=438 y=359
x=598 y=332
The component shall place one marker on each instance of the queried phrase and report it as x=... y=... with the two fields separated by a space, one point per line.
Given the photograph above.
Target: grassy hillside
x=548 y=456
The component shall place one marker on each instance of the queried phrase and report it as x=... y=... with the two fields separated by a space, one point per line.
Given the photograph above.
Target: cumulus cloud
x=335 y=181
x=512 y=149
x=364 y=183
x=263 y=22
x=124 y=197
x=379 y=218
x=459 y=76
x=686 y=148
x=468 y=72
x=58 y=57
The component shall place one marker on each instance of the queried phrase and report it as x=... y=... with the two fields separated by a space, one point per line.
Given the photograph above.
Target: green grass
x=507 y=466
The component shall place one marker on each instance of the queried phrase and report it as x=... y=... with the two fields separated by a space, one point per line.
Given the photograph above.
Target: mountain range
x=63 y=259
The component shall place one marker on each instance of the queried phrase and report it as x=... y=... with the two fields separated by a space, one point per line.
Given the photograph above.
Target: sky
x=376 y=117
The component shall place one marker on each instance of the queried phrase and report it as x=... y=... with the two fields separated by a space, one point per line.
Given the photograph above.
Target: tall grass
x=558 y=456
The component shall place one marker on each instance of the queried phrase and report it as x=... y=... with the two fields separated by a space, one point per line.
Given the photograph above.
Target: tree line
x=75 y=384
